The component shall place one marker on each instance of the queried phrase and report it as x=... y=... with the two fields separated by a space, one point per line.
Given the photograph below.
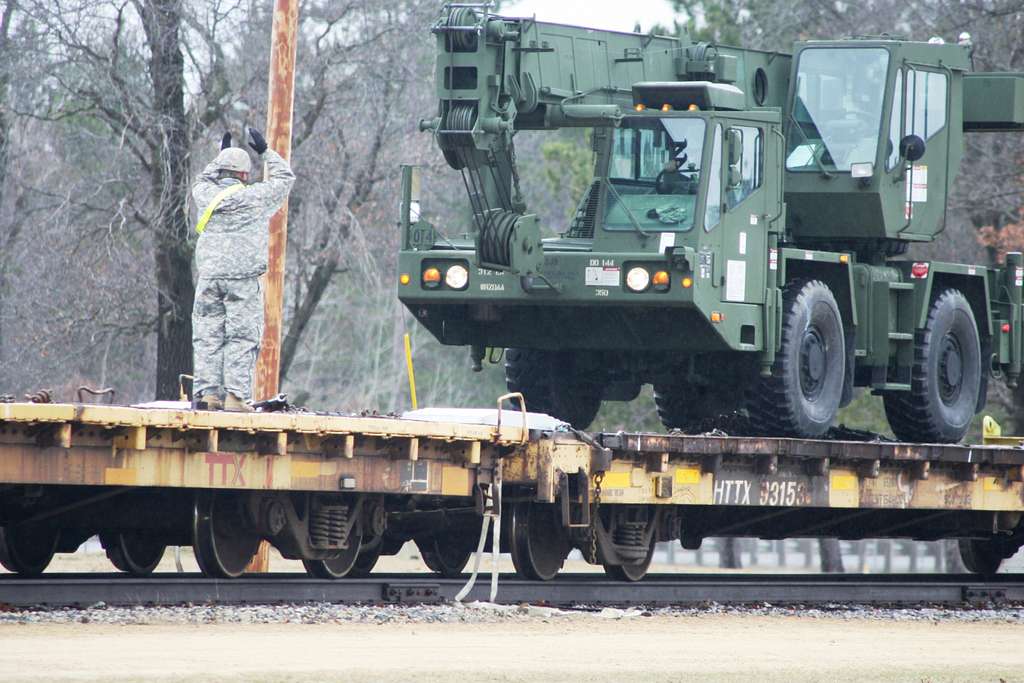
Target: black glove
x=256 y=141
x=225 y=141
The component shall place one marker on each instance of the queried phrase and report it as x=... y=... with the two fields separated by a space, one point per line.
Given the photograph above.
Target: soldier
x=231 y=255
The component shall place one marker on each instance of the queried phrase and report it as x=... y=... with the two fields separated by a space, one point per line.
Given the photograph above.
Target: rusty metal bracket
x=582 y=497
x=182 y=394
x=522 y=406
x=109 y=392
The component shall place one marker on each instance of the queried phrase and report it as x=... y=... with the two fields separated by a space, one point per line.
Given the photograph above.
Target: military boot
x=207 y=403
x=235 y=404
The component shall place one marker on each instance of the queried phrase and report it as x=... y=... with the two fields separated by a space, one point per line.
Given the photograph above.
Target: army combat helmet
x=234 y=159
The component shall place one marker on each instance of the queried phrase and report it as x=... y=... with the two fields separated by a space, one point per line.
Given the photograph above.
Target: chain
x=598 y=478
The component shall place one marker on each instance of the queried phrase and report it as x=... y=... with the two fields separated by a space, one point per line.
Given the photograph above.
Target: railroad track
x=570 y=589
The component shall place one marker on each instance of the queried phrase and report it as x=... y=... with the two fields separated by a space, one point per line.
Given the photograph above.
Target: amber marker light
x=666 y=107
x=660 y=280
x=844 y=258
x=717 y=317
x=404 y=278
x=693 y=107
x=640 y=107
x=431 y=277
x=687 y=282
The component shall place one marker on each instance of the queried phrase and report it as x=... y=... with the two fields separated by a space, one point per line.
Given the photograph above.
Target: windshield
x=654 y=173
x=837 y=111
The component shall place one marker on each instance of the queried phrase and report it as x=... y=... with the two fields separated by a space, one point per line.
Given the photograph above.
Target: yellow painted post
x=412 y=375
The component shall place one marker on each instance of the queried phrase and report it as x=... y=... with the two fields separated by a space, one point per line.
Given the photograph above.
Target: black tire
x=946 y=377
x=676 y=406
x=550 y=385
x=802 y=395
x=981 y=556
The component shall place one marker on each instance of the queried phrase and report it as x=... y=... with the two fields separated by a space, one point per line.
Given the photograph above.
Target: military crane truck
x=740 y=244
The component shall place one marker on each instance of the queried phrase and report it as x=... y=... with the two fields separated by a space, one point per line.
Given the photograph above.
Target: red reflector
x=1006 y=328
x=919 y=270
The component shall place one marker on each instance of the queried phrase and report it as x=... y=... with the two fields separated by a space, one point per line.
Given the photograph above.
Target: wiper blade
x=814 y=153
x=632 y=219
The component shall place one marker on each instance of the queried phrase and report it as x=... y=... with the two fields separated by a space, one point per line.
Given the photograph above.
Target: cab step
x=889 y=386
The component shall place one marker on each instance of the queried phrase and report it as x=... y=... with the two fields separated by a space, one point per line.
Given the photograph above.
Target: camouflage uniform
x=231 y=254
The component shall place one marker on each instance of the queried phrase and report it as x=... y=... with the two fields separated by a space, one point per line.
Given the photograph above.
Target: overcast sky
x=616 y=15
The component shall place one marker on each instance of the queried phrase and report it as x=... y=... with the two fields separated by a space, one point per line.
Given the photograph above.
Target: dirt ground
x=660 y=648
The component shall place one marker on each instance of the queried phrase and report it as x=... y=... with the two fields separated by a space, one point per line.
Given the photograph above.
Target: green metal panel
x=993 y=102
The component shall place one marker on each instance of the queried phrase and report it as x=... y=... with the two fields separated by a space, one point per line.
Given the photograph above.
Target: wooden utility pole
x=280 y=98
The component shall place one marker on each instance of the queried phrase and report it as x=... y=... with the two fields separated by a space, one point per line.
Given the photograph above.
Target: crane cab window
x=836 y=109
x=925 y=113
x=751 y=166
x=654 y=173
x=713 y=207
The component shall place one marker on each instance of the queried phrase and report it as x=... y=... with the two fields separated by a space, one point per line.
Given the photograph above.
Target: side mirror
x=912 y=148
x=734 y=142
x=735 y=177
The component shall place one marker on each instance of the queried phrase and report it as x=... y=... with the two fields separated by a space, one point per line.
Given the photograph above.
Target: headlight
x=457 y=277
x=637 y=279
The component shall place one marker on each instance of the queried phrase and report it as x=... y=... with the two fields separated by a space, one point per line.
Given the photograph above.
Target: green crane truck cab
x=736 y=248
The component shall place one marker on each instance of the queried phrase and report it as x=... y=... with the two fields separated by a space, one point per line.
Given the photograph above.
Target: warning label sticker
x=917 y=188
x=602 y=276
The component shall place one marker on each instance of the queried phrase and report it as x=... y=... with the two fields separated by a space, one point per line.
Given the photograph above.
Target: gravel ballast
x=471 y=613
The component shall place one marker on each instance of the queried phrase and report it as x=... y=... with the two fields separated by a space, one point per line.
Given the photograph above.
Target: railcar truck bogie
x=739 y=245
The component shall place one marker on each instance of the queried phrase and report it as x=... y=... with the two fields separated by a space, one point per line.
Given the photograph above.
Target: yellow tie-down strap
x=221 y=196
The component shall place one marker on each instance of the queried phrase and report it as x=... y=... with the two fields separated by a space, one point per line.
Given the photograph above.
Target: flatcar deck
x=326 y=488
x=95 y=445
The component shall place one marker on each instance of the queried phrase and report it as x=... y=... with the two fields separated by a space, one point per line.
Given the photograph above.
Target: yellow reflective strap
x=221 y=196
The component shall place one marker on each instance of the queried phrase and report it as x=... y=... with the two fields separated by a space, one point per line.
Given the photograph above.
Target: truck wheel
x=529 y=372
x=945 y=379
x=676 y=406
x=550 y=386
x=802 y=395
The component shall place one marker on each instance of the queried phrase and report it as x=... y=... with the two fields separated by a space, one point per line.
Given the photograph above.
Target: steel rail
x=574 y=589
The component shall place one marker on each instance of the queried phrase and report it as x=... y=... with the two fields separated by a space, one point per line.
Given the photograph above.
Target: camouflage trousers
x=227 y=325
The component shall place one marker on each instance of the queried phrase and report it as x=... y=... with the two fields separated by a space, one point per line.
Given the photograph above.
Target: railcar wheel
x=134 y=552
x=221 y=537
x=366 y=560
x=27 y=550
x=802 y=395
x=981 y=556
x=946 y=376
x=446 y=555
x=631 y=572
x=341 y=566
x=539 y=542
